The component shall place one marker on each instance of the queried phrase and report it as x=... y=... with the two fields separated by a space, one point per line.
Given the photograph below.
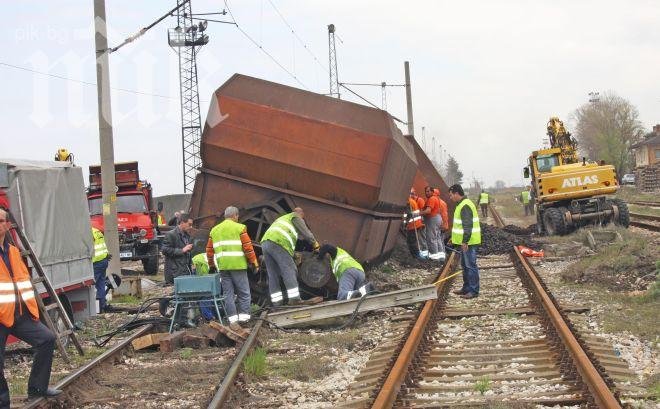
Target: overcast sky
x=486 y=75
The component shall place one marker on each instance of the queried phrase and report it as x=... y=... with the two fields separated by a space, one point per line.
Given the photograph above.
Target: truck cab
x=136 y=217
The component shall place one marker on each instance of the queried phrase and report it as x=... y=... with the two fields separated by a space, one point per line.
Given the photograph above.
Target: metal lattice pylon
x=186 y=39
x=334 y=77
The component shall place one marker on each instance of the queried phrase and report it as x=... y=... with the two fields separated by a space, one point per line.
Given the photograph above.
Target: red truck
x=136 y=216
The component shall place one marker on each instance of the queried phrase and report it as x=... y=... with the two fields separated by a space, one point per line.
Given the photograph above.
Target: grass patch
x=345 y=339
x=654 y=389
x=17 y=386
x=254 y=364
x=482 y=385
x=616 y=266
x=186 y=353
x=386 y=269
x=304 y=369
x=126 y=299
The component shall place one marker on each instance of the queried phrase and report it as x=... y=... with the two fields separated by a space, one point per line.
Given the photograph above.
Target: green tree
x=452 y=173
x=605 y=130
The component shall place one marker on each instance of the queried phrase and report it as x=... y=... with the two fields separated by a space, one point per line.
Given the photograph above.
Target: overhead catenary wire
x=341 y=84
x=260 y=47
x=61 y=77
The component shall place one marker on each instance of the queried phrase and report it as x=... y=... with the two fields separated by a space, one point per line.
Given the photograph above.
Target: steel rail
x=641 y=224
x=591 y=378
x=499 y=222
x=645 y=203
x=645 y=216
x=69 y=380
x=228 y=381
x=392 y=383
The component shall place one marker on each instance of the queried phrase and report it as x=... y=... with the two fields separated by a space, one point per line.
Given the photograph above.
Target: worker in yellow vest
x=232 y=251
x=278 y=245
x=100 y=263
x=484 y=199
x=466 y=233
x=348 y=272
x=527 y=200
x=19 y=316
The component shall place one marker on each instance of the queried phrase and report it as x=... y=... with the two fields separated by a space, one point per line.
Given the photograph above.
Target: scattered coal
x=495 y=240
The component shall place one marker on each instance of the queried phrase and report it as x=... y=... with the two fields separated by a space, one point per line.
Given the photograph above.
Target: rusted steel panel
x=366 y=235
x=309 y=143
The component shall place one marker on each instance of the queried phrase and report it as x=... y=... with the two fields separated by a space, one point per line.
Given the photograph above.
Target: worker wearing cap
x=466 y=232
x=433 y=222
x=231 y=251
x=19 y=316
x=483 y=203
x=415 y=231
x=278 y=245
x=348 y=272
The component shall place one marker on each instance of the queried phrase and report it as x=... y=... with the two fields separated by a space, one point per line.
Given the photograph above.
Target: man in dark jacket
x=177 y=246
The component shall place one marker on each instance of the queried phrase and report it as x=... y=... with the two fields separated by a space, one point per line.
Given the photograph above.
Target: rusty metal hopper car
x=267 y=148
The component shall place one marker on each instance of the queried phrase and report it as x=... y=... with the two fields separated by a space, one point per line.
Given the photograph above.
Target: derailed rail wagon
x=267 y=148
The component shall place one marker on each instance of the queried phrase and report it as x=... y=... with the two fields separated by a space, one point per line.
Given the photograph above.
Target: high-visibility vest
x=10 y=288
x=525 y=196
x=201 y=264
x=457 y=228
x=100 y=249
x=161 y=220
x=283 y=232
x=227 y=245
x=414 y=221
x=343 y=262
x=483 y=198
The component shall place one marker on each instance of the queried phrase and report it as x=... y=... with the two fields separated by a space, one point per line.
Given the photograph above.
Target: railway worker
x=443 y=212
x=19 y=316
x=415 y=230
x=466 y=232
x=177 y=247
x=526 y=197
x=277 y=246
x=483 y=203
x=230 y=250
x=433 y=223
x=348 y=272
x=100 y=264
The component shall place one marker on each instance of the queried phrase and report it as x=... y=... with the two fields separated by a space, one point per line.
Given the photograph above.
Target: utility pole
x=332 y=62
x=424 y=138
x=108 y=186
x=411 y=126
x=383 y=90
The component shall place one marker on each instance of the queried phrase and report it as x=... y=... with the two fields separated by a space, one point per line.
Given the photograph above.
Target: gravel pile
x=495 y=240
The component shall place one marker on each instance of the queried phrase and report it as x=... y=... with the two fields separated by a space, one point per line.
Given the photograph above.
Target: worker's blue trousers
x=470 y=270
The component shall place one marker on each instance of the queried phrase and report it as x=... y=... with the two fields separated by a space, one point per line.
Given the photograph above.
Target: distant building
x=647 y=161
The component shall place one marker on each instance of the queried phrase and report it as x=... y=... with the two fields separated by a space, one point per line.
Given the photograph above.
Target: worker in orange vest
x=19 y=316
x=415 y=231
x=433 y=222
x=443 y=211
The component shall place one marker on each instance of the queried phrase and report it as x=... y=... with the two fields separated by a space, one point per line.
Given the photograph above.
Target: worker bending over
x=277 y=246
x=415 y=231
x=348 y=272
x=230 y=252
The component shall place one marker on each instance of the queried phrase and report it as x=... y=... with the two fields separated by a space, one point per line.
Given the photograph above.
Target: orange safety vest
x=8 y=290
x=415 y=219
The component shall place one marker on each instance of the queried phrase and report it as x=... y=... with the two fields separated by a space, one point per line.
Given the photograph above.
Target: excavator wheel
x=624 y=213
x=553 y=221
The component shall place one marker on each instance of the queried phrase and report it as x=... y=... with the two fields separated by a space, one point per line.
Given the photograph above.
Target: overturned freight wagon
x=267 y=148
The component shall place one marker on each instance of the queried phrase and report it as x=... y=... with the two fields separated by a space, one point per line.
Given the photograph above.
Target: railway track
x=645 y=221
x=645 y=203
x=514 y=343
x=78 y=393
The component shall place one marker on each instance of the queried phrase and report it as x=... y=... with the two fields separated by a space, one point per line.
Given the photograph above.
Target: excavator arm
x=562 y=139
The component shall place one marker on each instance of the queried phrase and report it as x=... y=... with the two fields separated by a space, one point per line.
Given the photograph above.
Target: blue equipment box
x=197 y=286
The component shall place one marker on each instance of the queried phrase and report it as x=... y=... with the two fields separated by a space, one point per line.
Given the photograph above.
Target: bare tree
x=605 y=130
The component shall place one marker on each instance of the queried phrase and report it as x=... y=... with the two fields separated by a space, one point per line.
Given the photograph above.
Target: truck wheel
x=150 y=265
x=553 y=221
x=624 y=213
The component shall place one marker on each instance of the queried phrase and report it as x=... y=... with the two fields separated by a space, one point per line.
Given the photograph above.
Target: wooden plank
x=171 y=341
x=315 y=313
x=148 y=340
x=195 y=341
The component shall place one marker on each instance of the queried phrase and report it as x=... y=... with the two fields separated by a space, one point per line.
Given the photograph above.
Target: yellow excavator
x=570 y=193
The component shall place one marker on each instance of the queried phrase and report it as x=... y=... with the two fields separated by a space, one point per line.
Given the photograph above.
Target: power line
x=374 y=85
x=341 y=84
x=260 y=47
x=61 y=77
x=298 y=37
